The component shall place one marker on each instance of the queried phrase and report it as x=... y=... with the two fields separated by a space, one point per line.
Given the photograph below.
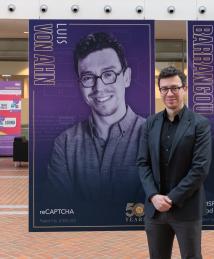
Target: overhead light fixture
x=75 y=8
x=11 y=8
x=44 y=8
x=202 y=9
x=5 y=75
x=107 y=9
x=26 y=32
x=139 y=9
x=171 y=9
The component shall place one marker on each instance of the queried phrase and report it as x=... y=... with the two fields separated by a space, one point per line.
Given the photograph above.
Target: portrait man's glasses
x=173 y=88
x=108 y=77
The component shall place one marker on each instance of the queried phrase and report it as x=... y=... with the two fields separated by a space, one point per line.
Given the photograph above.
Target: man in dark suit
x=173 y=164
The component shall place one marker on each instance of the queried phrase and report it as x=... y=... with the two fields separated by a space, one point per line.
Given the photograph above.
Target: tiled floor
x=17 y=242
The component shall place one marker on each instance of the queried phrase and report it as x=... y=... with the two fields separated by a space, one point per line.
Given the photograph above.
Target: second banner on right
x=201 y=92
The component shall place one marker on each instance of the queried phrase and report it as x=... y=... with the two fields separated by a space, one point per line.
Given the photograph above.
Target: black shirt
x=167 y=135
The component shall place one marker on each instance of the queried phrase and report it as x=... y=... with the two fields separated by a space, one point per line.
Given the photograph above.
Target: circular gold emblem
x=138 y=209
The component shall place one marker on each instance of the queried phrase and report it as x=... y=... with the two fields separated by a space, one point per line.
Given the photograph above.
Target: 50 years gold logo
x=134 y=210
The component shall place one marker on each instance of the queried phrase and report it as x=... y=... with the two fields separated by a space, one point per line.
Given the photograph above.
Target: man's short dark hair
x=98 y=41
x=171 y=71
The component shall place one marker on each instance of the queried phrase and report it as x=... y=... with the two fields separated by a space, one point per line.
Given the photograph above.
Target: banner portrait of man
x=92 y=87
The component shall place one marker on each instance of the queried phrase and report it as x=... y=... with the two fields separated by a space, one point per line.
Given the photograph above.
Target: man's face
x=104 y=100
x=173 y=101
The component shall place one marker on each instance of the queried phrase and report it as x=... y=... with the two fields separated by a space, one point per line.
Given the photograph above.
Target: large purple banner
x=201 y=92
x=91 y=88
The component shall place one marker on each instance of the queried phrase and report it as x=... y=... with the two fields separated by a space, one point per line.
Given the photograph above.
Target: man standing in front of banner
x=93 y=164
x=173 y=164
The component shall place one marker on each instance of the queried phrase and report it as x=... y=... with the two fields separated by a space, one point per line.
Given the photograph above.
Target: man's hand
x=162 y=203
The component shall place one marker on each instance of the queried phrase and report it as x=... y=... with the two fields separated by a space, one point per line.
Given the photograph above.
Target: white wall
x=121 y=9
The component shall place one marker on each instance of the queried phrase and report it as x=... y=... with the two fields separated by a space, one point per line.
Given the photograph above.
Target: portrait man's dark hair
x=172 y=71
x=98 y=41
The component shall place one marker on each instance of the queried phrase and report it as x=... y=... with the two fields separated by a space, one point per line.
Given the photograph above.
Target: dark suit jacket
x=189 y=163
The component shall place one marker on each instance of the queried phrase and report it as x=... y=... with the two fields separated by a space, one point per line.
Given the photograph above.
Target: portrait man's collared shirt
x=85 y=167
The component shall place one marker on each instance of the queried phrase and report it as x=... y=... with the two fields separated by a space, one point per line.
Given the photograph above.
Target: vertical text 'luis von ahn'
x=44 y=60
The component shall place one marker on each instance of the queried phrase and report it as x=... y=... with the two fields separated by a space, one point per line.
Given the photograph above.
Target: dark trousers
x=161 y=231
